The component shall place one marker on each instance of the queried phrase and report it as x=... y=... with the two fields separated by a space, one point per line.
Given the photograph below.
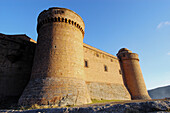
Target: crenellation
x=58 y=19
x=72 y=68
x=65 y=71
x=48 y=20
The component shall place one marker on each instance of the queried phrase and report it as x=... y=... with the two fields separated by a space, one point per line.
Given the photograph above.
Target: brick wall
x=103 y=75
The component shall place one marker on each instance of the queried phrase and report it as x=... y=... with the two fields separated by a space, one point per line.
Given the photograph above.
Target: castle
x=63 y=70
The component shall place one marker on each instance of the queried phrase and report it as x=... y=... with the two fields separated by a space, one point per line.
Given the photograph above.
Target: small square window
x=86 y=63
x=105 y=68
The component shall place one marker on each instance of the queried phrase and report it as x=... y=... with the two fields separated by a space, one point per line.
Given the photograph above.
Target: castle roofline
x=98 y=50
x=64 y=9
x=124 y=50
x=14 y=35
x=20 y=36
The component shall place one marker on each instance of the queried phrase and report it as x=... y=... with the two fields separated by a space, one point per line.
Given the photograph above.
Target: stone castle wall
x=58 y=70
x=97 y=60
x=16 y=71
x=103 y=75
x=16 y=57
x=133 y=76
x=65 y=70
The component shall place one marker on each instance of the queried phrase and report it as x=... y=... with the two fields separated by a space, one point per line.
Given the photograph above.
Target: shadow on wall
x=16 y=57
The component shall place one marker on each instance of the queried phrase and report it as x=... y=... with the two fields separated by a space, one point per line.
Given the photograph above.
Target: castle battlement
x=60 y=15
x=63 y=70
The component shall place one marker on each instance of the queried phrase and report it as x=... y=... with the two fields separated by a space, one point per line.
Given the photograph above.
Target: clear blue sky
x=142 y=26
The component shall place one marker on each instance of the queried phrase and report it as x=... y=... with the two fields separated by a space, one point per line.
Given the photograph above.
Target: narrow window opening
x=66 y=20
x=86 y=63
x=58 y=19
x=105 y=68
x=55 y=19
x=69 y=21
x=120 y=72
x=62 y=19
x=111 y=60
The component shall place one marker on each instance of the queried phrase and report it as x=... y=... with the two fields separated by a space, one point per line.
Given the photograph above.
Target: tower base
x=55 y=91
x=142 y=97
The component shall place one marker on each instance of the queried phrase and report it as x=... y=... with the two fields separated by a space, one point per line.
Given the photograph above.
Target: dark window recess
x=120 y=72
x=54 y=46
x=86 y=63
x=123 y=55
x=66 y=20
x=97 y=55
x=69 y=21
x=105 y=68
x=62 y=19
x=59 y=19
x=111 y=60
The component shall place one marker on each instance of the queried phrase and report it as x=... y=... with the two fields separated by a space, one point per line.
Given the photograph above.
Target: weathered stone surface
x=138 y=107
x=106 y=91
x=132 y=74
x=52 y=90
x=97 y=60
x=104 y=84
x=59 y=74
x=16 y=57
x=58 y=71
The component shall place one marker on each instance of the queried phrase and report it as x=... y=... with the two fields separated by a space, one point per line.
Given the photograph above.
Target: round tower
x=58 y=70
x=132 y=73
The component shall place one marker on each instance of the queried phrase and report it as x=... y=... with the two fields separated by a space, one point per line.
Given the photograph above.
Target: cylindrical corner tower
x=132 y=73
x=58 y=69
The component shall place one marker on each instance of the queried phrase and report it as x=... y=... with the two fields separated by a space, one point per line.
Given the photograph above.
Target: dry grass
x=36 y=106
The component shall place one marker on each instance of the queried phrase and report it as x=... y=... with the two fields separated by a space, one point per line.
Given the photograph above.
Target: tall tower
x=58 y=70
x=133 y=77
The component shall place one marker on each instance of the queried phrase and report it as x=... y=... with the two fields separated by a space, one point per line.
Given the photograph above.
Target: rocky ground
x=155 y=106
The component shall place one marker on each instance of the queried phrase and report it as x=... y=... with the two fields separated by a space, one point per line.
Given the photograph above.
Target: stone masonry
x=132 y=74
x=57 y=74
x=67 y=71
x=16 y=57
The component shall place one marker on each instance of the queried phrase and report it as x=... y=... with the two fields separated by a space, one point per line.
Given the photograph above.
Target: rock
x=135 y=107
